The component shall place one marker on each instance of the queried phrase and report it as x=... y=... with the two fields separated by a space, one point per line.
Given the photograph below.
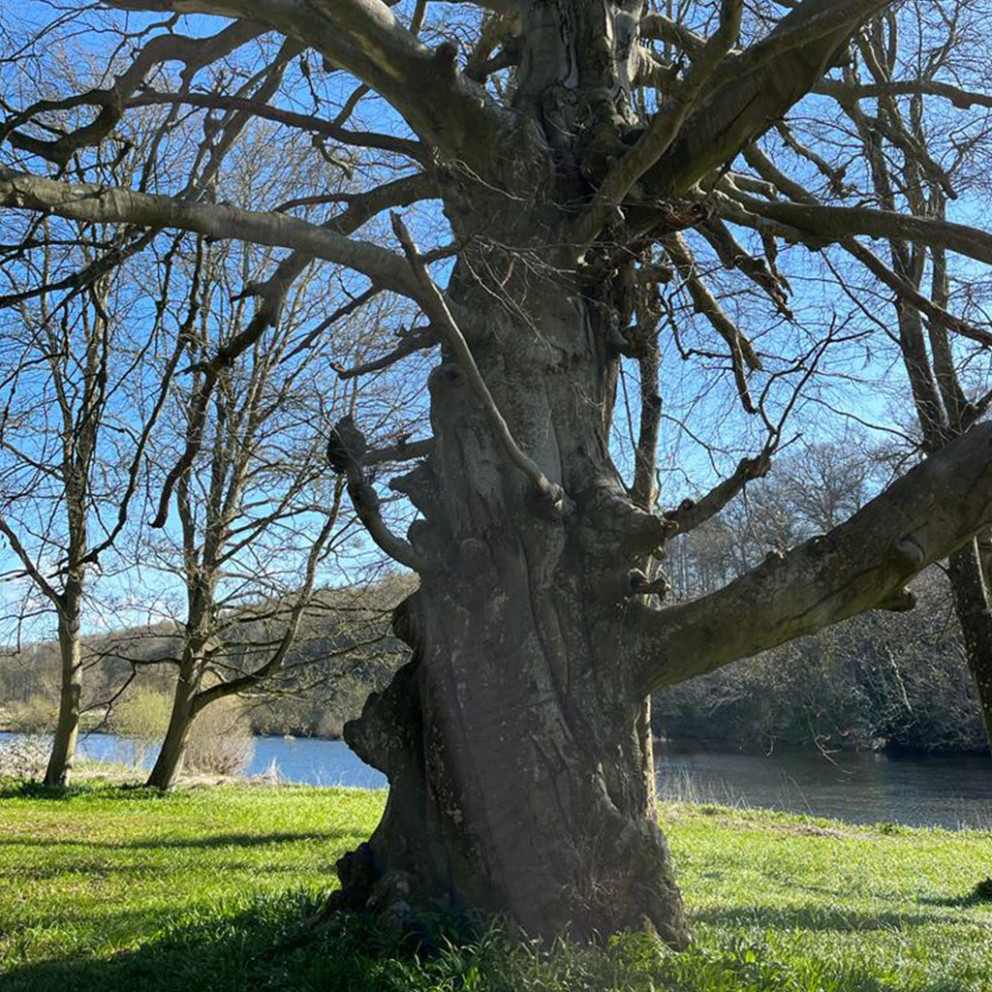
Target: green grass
x=108 y=889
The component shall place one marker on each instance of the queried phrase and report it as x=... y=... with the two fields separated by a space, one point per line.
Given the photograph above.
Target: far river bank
x=950 y=791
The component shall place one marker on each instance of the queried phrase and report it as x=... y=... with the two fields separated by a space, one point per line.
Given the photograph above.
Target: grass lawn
x=109 y=889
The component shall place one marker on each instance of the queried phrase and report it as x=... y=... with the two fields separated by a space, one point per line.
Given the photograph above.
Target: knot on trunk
x=346 y=445
x=615 y=528
x=388 y=732
x=901 y=601
x=406 y=621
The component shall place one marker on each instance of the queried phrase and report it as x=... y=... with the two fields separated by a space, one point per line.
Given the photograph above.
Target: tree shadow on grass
x=211 y=841
x=271 y=947
x=980 y=895
x=814 y=918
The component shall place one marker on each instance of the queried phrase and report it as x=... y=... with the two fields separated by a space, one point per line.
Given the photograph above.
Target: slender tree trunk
x=63 y=753
x=971 y=603
x=169 y=763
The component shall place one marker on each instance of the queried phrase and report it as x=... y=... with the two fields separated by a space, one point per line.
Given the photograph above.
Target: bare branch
x=101 y=204
x=741 y=350
x=364 y=36
x=737 y=111
x=30 y=568
x=411 y=341
x=845 y=92
x=346 y=451
x=838 y=223
x=192 y=52
x=692 y=514
x=863 y=564
x=303 y=122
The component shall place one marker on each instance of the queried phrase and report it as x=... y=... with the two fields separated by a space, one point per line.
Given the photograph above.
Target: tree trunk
x=971 y=603
x=63 y=753
x=169 y=763
x=517 y=747
x=517 y=741
x=545 y=807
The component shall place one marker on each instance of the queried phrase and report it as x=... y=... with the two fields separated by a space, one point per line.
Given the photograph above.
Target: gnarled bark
x=517 y=749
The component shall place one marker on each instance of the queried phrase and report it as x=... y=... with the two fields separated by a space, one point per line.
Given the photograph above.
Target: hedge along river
x=945 y=791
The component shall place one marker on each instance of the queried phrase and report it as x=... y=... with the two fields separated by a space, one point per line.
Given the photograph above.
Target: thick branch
x=658 y=27
x=838 y=223
x=366 y=38
x=861 y=565
x=732 y=209
x=112 y=205
x=402 y=451
x=743 y=107
x=662 y=130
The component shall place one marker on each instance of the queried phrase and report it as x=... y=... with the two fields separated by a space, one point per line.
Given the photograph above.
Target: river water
x=949 y=792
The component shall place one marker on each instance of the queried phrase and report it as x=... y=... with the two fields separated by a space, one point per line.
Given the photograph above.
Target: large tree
x=575 y=148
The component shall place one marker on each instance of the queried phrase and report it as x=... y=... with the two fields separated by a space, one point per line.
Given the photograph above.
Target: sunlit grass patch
x=106 y=889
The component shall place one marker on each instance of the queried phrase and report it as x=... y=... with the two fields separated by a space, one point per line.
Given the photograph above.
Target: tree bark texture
x=63 y=753
x=517 y=749
x=969 y=587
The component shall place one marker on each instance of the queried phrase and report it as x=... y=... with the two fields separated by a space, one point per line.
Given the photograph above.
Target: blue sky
x=861 y=378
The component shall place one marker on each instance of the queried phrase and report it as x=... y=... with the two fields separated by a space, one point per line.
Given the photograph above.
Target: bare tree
x=71 y=444
x=584 y=154
x=906 y=95
x=254 y=518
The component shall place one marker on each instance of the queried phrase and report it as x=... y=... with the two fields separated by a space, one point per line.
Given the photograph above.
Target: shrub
x=220 y=740
x=142 y=719
x=24 y=757
x=36 y=715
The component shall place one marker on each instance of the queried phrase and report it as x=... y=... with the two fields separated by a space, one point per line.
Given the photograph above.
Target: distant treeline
x=881 y=680
x=878 y=681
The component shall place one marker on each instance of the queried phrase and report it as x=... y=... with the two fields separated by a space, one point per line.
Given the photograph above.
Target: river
x=950 y=792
